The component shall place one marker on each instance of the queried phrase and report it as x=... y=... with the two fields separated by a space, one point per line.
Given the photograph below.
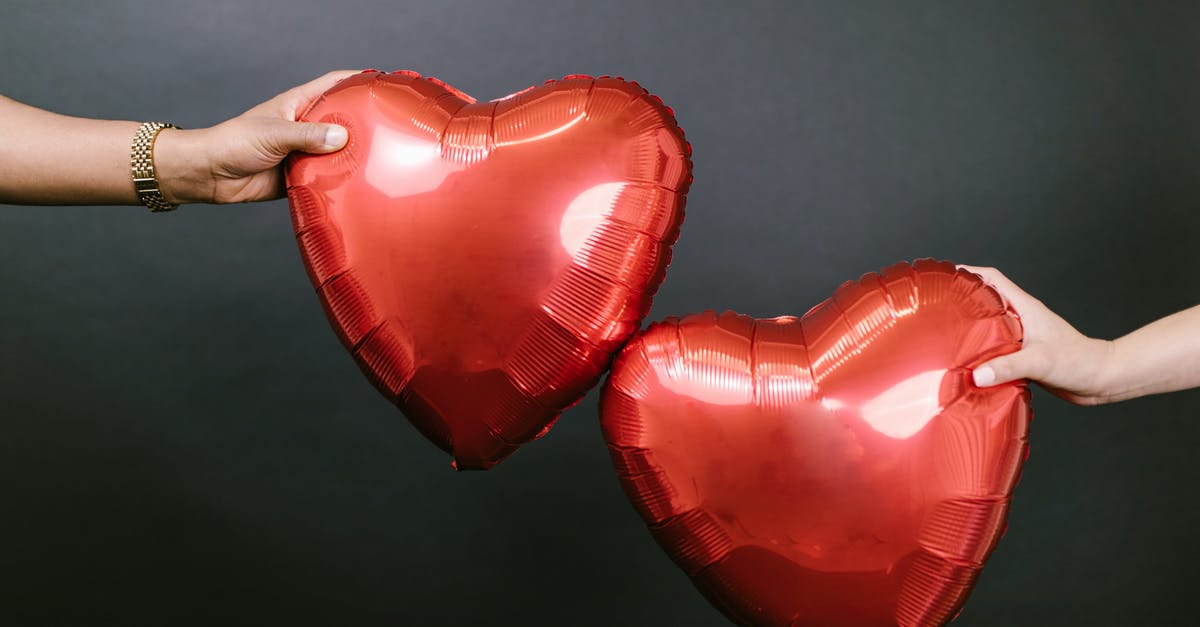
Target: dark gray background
x=183 y=440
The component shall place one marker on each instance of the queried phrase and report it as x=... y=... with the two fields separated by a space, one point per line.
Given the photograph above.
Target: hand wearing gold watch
x=51 y=159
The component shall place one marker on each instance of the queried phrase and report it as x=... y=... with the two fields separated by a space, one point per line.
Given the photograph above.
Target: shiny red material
x=835 y=469
x=483 y=262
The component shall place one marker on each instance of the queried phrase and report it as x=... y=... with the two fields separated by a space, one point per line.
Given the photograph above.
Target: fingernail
x=335 y=137
x=984 y=376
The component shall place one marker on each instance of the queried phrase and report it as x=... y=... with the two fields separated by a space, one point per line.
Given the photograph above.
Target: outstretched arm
x=52 y=159
x=1163 y=356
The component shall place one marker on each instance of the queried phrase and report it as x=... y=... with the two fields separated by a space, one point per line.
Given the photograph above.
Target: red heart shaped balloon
x=837 y=469
x=483 y=262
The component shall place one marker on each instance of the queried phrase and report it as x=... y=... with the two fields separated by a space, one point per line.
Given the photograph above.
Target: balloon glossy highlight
x=483 y=262
x=835 y=469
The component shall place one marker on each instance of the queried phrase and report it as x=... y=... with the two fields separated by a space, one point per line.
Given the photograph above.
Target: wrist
x=1109 y=382
x=182 y=167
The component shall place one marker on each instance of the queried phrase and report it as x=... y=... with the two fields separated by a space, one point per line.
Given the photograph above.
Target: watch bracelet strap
x=141 y=163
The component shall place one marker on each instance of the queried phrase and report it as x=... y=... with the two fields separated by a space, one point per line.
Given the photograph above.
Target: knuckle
x=1038 y=363
x=314 y=134
x=1003 y=368
x=273 y=141
x=983 y=271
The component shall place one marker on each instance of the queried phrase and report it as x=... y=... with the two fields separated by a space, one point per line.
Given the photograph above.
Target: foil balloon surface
x=484 y=262
x=835 y=469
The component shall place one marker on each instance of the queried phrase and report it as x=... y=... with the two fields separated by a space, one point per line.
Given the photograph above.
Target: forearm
x=1163 y=356
x=46 y=158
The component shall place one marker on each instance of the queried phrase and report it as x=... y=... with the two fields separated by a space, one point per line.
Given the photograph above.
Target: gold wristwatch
x=141 y=162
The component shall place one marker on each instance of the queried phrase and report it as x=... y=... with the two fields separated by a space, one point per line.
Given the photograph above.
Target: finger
x=310 y=91
x=282 y=137
x=1011 y=292
x=1028 y=363
x=291 y=102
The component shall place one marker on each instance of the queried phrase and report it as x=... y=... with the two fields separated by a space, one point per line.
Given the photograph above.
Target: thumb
x=1027 y=363
x=311 y=137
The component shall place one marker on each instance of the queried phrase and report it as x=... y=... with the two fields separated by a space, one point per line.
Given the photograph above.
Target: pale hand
x=1066 y=362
